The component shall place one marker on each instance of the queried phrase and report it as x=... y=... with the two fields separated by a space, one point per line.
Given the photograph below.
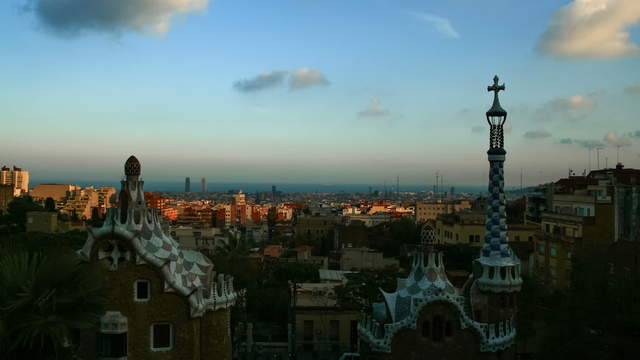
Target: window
x=517 y=237
x=308 y=330
x=438 y=328
x=112 y=345
x=161 y=337
x=470 y=238
x=588 y=212
x=553 y=252
x=547 y=228
x=541 y=249
x=568 y=255
x=530 y=238
x=426 y=329
x=141 y=289
x=448 y=329
x=353 y=338
x=334 y=330
x=477 y=238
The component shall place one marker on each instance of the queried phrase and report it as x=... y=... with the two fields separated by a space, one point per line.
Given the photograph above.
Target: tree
x=50 y=204
x=46 y=299
x=460 y=256
x=17 y=211
x=363 y=288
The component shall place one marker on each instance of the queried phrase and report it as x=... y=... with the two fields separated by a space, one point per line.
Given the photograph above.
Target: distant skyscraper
x=203 y=185
x=17 y=178
x=187 y=184
x=273 y=192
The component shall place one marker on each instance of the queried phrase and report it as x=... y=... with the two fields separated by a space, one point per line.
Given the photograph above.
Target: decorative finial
x=496 y=110
x=132 y=166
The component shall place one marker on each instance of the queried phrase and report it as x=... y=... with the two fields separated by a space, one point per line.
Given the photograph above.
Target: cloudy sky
x=309 y=91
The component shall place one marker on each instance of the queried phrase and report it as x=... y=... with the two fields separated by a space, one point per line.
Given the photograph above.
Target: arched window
x=426 y=329
x=438 y=328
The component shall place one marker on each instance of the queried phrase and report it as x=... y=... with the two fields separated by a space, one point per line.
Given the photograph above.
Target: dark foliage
x=363 y=288
x=46 y=299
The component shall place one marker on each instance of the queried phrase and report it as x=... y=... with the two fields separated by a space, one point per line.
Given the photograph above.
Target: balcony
x=559 y=218
x=557 y=238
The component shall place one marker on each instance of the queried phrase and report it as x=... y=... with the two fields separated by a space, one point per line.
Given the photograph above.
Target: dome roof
x=132 y=166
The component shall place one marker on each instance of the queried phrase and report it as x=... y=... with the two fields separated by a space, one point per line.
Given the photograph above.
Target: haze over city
x=341 y=92
x=319 y=179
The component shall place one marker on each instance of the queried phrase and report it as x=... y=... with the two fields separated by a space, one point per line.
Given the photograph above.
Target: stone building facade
x=164 y=301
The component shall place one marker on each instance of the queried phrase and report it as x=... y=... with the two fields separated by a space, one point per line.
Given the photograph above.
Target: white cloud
x=70 y=17
x=374 y=109
x=613 y=139
x=442 y=25
x=587 y=144
x=537 y=134
x=570 y=108
x=303 y=78
x=263 y=81
x=591 y=29
x=298 y=79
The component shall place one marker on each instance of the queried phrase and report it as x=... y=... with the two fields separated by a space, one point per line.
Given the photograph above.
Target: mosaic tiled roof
x=186 y=272
x=421 y=282
x=424 y=285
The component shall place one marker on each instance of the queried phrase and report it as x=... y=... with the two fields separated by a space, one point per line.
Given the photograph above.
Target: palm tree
x=45 y=301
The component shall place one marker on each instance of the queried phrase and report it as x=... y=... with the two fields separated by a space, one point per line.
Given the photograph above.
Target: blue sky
x=315 y=91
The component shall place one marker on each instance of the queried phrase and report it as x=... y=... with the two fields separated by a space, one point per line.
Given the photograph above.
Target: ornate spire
x=132 y=189
x=497 y=268
x=132 y=166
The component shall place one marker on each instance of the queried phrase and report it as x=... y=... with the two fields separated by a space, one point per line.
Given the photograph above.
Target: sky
x=310 y=91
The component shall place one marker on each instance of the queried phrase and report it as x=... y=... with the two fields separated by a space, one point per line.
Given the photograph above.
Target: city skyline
x=306 y=92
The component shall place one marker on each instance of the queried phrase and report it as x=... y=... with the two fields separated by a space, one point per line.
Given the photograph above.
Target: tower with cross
x=497 y=270
x=426 y=314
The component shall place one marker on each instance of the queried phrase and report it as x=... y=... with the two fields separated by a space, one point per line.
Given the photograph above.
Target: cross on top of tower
x=496 y=87
x=496 y=110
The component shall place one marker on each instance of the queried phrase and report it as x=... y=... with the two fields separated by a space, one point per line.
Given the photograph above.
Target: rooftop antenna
x=385 y=190
x=598 y=156
x=521 y=174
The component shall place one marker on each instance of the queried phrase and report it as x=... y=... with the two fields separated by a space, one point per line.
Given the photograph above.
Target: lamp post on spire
x=496 y=116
